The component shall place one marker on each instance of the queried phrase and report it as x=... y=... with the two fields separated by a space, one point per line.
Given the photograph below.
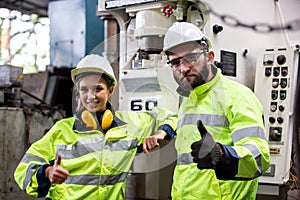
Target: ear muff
x=90 y=121
x=107 y=119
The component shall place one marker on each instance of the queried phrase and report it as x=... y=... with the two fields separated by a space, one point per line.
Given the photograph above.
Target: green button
x=282 y=95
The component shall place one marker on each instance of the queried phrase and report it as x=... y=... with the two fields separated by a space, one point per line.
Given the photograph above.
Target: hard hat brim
x=163 y=52
x=89 y=70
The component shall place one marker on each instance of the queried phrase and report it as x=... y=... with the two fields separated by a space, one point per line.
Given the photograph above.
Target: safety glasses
x=191 y=58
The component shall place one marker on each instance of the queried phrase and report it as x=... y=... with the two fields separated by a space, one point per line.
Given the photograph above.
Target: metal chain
x=261 y=27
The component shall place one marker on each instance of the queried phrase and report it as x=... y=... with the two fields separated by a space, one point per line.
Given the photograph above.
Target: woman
x=87 y=156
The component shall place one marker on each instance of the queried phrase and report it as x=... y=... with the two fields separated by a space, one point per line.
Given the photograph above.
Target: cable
x=282 y=22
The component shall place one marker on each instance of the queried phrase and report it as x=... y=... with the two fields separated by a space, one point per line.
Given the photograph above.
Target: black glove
x=206 y=152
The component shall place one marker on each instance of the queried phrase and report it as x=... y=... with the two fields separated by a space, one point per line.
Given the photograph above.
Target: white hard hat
x=183 y=32
x=94 y=63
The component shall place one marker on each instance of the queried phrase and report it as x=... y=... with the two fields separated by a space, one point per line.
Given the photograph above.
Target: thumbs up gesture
x=56 y=173
x=206 y=152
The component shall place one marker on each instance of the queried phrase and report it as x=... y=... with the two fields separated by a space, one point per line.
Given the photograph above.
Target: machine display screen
x=228 y=60
x=142 y=84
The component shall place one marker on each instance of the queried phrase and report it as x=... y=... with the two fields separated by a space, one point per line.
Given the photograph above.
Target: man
x=220 y=135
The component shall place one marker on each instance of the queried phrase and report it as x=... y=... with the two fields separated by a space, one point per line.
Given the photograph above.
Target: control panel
x=275 y=85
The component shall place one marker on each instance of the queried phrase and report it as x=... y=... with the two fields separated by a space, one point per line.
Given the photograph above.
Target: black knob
x=281 y=59
x=217 y=29
x=274 y=95
x=276 y=71
x=280 y=120
x=218 y=64
x=272 y=120
x=283 y=83
x=268 y=72
x=275 y=134
x=281 y=108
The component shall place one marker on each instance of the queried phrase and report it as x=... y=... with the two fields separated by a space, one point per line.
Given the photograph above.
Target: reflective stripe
x=27 y=158
x=94 y=179
x=80 y=148
x=121 y=145
x=83 y=147
x=31 y=169
x=254 y=131
x=257 y=155
x=207 y=119
x=184 y=159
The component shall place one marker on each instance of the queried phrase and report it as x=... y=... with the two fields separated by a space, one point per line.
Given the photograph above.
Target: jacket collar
x=201 y=89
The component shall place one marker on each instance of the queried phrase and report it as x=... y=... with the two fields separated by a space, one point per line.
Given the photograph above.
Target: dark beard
x=200 y=79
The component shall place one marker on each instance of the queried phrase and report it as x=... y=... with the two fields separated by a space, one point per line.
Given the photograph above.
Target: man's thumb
x=59 y=157
x=201 y=128
x=207 y=140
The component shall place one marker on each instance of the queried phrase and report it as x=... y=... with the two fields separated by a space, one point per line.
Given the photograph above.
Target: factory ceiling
x=39 y=7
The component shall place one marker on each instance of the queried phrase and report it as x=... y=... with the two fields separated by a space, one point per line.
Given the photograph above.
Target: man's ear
x=210 y=57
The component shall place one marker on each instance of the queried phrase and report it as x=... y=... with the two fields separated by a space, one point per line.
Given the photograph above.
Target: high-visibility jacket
x=98 y=163
x=233 y=116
